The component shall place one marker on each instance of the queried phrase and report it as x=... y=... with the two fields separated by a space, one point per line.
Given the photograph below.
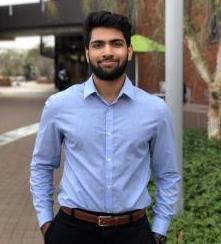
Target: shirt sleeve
x=46 y=158
x=166 y=173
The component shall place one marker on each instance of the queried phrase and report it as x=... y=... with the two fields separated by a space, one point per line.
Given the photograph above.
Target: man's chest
x=106 y=126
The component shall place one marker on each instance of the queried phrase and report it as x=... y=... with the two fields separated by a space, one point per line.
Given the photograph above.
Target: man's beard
x=111 y=75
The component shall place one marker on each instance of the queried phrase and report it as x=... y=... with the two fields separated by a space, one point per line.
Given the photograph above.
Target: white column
x=174 y=75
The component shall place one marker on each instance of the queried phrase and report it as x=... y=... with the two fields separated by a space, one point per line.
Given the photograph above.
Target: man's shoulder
x=148 y=99
x=75 y=92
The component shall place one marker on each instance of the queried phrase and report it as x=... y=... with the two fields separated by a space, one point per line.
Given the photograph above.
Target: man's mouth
x=108 y=62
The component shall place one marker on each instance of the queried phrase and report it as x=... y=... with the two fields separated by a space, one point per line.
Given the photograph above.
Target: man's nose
x=107 y=50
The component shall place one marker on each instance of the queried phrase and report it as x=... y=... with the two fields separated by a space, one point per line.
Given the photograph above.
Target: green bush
x=200 y=222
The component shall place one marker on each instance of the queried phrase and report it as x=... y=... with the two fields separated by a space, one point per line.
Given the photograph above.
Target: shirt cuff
x=44 y=217
x=160 y=225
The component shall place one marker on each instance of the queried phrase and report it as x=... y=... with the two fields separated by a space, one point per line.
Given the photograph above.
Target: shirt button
x=108 y=133
x=108 y=159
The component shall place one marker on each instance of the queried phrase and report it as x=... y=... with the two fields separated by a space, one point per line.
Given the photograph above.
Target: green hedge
x=200 y=222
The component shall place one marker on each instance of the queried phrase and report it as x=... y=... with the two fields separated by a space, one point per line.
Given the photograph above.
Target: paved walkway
x=27 y=89
x=19 y=106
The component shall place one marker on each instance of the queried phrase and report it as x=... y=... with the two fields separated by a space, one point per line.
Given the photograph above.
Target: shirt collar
x=127 y=89
x=89 y=87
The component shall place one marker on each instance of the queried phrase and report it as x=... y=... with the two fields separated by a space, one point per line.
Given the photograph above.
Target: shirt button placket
x=109 y=155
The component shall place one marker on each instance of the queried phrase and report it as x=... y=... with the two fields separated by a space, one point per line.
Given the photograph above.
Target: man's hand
x=159 y=239
x=156 y=240
x=45 y=227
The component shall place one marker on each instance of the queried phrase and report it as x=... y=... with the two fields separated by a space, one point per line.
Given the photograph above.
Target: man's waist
x=105 y=219
x=114 y=205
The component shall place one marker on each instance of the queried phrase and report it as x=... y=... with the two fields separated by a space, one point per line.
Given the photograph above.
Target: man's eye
x=117 y=44
x=96 y=45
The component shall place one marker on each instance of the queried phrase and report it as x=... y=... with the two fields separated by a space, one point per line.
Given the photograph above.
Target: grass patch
x=200 y=222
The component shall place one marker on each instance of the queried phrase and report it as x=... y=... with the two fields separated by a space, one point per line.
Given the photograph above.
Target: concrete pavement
x=19 y=106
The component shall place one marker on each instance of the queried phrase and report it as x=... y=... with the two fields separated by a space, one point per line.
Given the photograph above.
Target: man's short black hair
x=109 y=20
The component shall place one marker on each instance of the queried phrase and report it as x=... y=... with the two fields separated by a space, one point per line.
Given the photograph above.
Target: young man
x=112 y=133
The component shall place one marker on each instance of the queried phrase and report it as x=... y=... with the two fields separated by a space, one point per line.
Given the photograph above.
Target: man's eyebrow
x=117 y=40
x=110 y=41
x=97 y=41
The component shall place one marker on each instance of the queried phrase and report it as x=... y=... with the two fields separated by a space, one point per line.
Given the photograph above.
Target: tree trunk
x=214 y=112
x=214 y=87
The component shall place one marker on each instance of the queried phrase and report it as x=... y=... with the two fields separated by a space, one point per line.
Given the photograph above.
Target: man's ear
x=130 y=52
x=87 y=55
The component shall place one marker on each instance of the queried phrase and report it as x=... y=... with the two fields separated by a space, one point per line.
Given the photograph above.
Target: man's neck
x=109 y=90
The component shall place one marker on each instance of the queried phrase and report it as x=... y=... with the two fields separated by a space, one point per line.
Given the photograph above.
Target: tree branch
x=197 y=59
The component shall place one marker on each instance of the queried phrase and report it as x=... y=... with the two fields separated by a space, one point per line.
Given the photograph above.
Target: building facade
x=66 y=26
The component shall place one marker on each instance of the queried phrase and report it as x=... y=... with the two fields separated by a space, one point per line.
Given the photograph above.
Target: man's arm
x=166 y=173
x=46 y=157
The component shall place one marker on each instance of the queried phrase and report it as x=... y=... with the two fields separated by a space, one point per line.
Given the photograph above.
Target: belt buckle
x=101 y=219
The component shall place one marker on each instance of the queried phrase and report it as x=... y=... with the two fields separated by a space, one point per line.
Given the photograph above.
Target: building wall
x=151 y=65
x=150 y=22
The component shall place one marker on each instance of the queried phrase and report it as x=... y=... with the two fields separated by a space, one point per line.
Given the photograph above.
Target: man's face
x=108 y=53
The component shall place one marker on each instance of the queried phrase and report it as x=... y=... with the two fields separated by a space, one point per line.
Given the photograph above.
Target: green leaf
x=144 y=44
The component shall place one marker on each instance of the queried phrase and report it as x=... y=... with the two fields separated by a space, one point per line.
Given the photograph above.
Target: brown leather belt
x=105 y=221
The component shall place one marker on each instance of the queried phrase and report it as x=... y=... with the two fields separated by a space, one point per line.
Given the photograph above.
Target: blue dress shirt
x=109 y=150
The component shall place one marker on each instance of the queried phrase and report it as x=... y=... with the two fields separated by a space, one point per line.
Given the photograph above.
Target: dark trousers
x=67 y=230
